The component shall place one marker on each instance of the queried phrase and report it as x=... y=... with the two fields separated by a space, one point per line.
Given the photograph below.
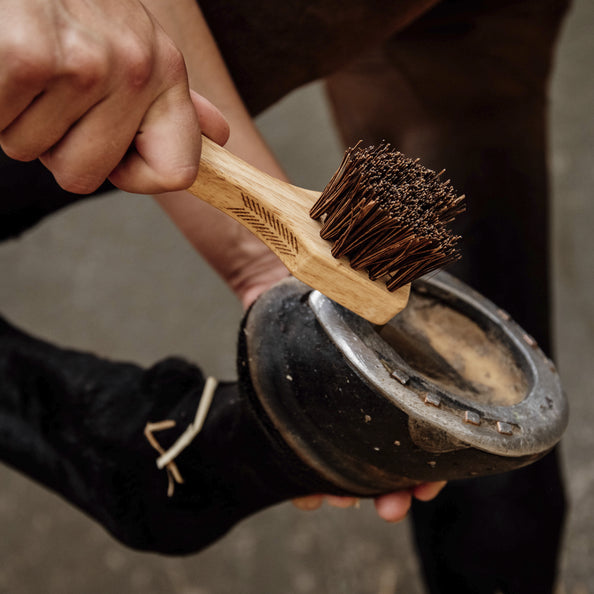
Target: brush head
x=389 y=215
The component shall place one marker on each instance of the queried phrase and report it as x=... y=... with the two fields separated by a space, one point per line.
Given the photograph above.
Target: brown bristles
x=388 y=214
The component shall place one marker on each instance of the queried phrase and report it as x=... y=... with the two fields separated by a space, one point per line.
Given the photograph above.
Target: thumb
x=165 y=153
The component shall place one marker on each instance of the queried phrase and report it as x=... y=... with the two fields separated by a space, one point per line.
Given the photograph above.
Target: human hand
x=392 y=507
x=98 y=90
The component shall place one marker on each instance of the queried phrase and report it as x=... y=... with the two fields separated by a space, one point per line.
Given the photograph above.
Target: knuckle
x=174 y=61
x=183 y=177
x=26 y=65
x=87 y=64
x=138 y=61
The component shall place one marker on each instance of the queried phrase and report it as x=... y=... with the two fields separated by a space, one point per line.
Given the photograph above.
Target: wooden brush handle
x=275 y=211
x=278 y=213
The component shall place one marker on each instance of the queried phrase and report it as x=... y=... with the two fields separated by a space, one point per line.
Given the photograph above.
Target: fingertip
x=309 y=503
x=165 y=155
x=342 y=502
x=428 y=491
x=393 y=507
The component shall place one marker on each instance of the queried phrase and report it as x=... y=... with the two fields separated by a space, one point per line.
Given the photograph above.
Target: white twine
x=166 y=459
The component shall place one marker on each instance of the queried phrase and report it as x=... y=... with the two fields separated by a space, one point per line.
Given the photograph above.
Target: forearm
x=241 y=259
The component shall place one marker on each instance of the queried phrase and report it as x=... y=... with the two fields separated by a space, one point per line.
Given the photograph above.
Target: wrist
x=246 y=265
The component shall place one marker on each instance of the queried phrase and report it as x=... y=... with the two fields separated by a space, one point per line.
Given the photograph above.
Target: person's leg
x=465 y=88
x=271 y=48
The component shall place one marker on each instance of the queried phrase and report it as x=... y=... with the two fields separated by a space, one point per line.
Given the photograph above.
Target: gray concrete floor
x=113 y=276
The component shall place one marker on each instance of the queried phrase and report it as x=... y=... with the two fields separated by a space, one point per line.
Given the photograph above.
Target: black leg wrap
x=75 y=423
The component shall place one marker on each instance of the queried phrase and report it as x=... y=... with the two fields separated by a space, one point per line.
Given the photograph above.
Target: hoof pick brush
x=386 y=214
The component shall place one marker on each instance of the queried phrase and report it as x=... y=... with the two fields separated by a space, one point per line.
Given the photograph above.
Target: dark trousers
x=463 y=85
